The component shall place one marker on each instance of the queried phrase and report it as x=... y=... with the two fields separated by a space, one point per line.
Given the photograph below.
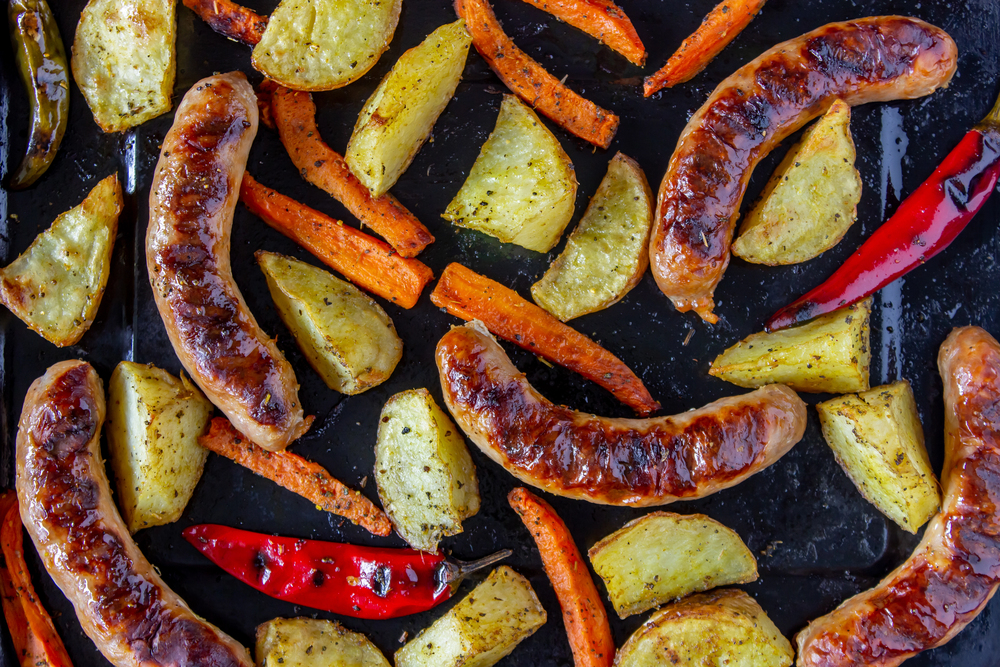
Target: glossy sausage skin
x=955 y=569
x=194 y=193
x=868 y=60
x=635 y=462
x=123 y=606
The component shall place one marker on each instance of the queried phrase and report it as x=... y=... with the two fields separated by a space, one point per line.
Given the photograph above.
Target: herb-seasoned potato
x=811 y=200
x=400 y=114
x=345 y=335
x=664 y=556
x=311 y=642
x=828 y=354
x=877 y=439
x=719 y=628
x=56 y=285
x=325 y=44
x=154 y=421
x=425 y=477
x=607 y=253
x=522 y=188
x=124 y=60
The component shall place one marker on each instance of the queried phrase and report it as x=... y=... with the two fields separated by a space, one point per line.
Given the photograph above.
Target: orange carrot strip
x=466 y=294
x=584 y=615
x=229 y=19
x=530 y=81
x=265 y=91
x=295 y=115
x=362 y=259
x=308 y=479
x=719 y=28
x=601 y=19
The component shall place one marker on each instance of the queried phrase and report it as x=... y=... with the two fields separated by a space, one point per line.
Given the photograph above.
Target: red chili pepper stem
x=450 y=572
x=992 y=120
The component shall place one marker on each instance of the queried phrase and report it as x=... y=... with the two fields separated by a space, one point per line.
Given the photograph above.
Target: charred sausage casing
x=869 y=60
x=955 y=569
x=194 y=193
x=635 y=462
x=124 y=607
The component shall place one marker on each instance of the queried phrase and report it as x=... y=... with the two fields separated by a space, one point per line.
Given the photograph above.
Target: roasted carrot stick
x=362 y=259
x=530 y=81
x=309 y=480
x=584 y=615
x=295 y=115
x=466 y=294
x=230 y=19
x=601 y=19
x=719 y=28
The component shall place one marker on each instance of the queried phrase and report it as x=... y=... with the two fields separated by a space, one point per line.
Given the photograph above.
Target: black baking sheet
x=817 y=541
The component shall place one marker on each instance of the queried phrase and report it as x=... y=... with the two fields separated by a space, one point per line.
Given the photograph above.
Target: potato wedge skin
x=154 y=421
x=878 y=441
x=522 y=187
x=343 y=333
x=481 y=629
x=831 y=354
x=607 y=253
x=425 y=476
x=400 y=114
x=664 y=556
x=310 y=642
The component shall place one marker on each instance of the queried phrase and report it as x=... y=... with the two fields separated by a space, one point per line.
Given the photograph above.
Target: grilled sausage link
x=635 y=462
x=869 y=60
x=955 y=569
x=123 y=606
x=194 y=193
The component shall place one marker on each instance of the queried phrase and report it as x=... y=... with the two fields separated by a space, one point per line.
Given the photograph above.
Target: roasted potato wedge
x=124 y=59
x=878 y=440
x=828 y=354
x=399 y=116
x=425 y=477
x=325 y=44
x=311 y=642
x=56 y=285
x=481 y=629
x=344 y=334
x=154 y=422
x=718 y=628
x=607 y=253
x=522 y=188
x=811 y=200
x=664 y=556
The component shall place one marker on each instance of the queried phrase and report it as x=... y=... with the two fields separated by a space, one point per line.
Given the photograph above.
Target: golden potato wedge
x=811 y=200
x=311 y=642
x=718 y=628
x=522 y=188
x=878 y=440
x=607 y=253
x=481 y=629
x=425 y=477
x=325 y=44
x=124 y=59
x=344 y=334
x=154 y=422
x=828 y=354
x=56 y=285
x=400 y=114
x=664 y=556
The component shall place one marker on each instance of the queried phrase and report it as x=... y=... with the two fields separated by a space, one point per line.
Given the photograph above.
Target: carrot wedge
x=295 y=115
x=229 y=19
x=584 y=615
x=719 y=28
x=530 y=81
x=291 y=471
x=601 y=19
x=470 y=296
x=362 y=259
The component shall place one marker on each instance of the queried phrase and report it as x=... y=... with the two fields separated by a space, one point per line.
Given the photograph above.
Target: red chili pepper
x=363 y=582
x=924 y=225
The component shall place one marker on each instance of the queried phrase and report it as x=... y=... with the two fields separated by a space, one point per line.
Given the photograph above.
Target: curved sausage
x=869 y=60
x=194 y=193
x=955 y=569
x=635 y=462
x=123 y=606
